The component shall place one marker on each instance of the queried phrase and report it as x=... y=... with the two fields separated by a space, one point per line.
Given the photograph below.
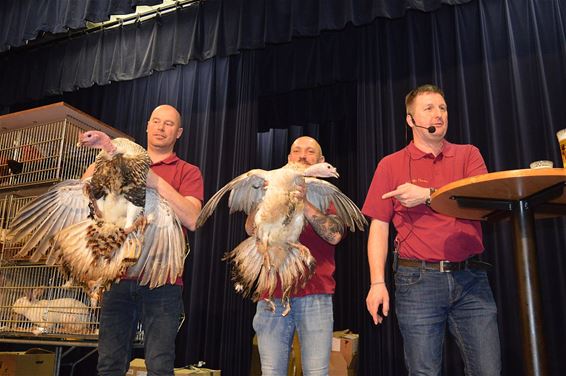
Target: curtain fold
x=24 y=20
x=197 y=32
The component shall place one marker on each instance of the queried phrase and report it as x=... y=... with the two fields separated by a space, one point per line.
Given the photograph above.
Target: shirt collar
x=416 y=153
x=172 y=158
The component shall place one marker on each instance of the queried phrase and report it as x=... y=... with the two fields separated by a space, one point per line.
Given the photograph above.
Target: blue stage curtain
x=201 y=31
x=24 y=20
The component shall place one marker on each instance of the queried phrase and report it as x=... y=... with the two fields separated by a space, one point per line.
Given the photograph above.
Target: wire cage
x=10 y=204
x=37 y=300
x=39 y=146
x=43 y=154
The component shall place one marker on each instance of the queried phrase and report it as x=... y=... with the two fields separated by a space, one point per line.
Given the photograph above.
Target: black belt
x=444 y=266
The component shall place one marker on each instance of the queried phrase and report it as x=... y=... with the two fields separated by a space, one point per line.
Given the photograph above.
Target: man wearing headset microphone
x=439 y=283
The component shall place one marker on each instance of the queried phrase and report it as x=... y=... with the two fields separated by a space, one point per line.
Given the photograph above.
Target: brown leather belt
x=444 y=266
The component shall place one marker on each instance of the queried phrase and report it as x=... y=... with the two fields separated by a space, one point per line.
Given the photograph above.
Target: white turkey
x=274 y=252
x=95 y=229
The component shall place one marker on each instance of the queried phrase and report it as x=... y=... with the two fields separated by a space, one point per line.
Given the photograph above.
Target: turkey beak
x=80 y=142
x=334 y=172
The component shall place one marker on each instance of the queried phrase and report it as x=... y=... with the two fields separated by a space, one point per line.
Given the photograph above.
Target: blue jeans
x=426 y=301
x=312 y=317
x=159 y=311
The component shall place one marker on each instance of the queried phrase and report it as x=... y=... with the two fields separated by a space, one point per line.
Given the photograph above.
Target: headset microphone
x=430 y=129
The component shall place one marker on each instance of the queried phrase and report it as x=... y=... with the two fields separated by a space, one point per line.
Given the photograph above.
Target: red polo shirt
x=183 y=176
x=421 y=232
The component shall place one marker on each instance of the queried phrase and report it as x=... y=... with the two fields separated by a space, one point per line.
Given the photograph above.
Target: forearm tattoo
x=328 y=227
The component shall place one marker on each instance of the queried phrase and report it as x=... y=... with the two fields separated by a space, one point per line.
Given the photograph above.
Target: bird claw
x=263 y=250
x=95 y=290
x=94 y=299
x=305 y=252
x=92 y=201
x=266 y=261
x=271 y=305
x=286 y=306
x=306 y=255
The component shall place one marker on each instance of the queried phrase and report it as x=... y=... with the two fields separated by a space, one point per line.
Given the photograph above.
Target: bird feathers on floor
x=106 y=227
x=273 y=253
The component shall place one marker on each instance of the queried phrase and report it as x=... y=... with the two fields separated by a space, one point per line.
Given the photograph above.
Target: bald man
x=127 y=302
x=311 y=314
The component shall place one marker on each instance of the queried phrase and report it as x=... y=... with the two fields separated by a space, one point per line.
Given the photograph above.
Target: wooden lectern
x=522 y=196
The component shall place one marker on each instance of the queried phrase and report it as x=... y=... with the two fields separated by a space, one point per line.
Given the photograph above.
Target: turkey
x=95 y=229
x=274 y=252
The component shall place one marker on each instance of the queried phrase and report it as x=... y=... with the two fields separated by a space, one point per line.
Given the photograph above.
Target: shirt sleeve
x=374 y=206
x=475 y=164
x=191 y=182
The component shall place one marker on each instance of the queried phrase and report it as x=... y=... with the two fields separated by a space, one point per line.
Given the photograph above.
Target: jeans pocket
x=406 y=278
x=478 y=274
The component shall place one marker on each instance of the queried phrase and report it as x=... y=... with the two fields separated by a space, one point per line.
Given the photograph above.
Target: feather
x=274 y=252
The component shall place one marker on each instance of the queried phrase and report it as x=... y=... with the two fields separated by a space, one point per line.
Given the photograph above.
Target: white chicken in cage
x=63 y=314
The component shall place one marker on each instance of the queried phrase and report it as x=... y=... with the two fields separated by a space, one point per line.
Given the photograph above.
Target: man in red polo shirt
x=311 y=314
x=438 y=283
x=161 y=308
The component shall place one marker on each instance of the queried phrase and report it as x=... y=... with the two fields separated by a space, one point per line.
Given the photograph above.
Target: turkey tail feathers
x=252 y=278
x=247 y=265
x=92 y=251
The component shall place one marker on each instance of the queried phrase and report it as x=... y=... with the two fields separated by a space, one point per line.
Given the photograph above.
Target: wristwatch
x=427 y=201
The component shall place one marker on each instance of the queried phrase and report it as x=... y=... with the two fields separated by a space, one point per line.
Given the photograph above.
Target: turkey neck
x=108 y=146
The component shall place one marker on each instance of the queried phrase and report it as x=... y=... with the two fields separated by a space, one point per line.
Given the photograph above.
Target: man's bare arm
x=327 y=226
x=187 y=208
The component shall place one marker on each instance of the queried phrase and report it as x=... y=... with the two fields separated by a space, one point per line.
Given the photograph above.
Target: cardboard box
x=36 y=362
x=344 y=355
x=137 y=368
x=339 y=367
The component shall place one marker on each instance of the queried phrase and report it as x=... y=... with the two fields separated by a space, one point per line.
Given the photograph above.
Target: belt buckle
x=442 y=265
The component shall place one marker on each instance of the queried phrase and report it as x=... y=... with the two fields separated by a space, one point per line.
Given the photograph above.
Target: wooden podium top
x=512 y=185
